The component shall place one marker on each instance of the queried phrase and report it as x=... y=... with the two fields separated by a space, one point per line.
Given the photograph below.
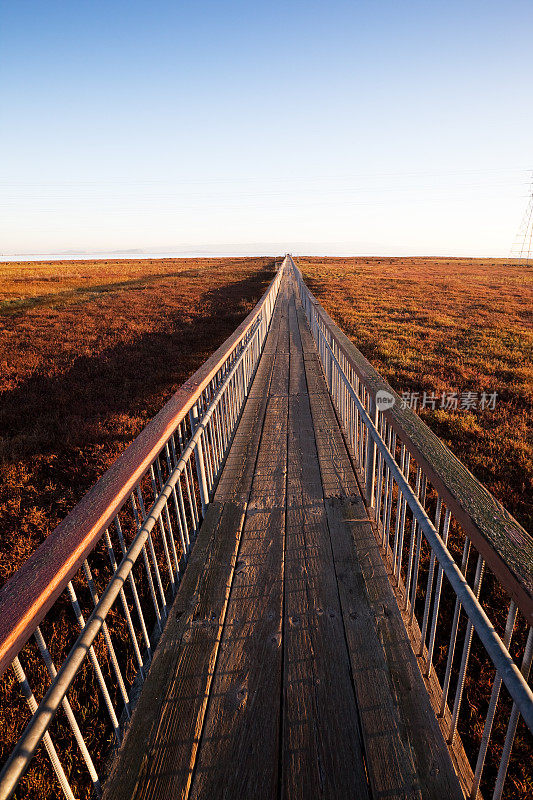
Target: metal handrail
x=27 y=596
x=160 y=488
x=505 y=544
x=382 y=444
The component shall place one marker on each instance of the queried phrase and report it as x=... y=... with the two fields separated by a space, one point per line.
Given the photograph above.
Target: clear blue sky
x=360 y=127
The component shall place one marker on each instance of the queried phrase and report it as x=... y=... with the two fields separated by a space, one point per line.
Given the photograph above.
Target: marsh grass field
x=454 y=326
x=448 y=326
x=91 y=350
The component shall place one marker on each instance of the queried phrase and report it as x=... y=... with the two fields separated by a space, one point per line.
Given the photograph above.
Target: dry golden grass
x=442 y=325
x=82 y=372
x=90 y=351
x=24 y=284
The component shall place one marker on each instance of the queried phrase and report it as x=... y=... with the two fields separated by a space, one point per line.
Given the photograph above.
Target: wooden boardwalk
x=284 y=670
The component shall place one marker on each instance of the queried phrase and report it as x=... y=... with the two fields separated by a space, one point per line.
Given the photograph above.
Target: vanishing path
x=284 y=670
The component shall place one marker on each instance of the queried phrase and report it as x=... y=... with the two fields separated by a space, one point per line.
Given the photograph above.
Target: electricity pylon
x=523 y=245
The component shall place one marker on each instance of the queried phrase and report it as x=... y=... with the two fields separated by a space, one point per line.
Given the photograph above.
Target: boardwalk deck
x=284 y=669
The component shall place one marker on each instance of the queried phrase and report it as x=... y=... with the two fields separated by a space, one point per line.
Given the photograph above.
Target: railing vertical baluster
x=47 y=739
x=108 y=642
x=189 y=483
x=489 y=719
x=232 y=404
x=96 y=666
x=453 y=633
x=466 y=653
x=429 y=585
x=169 y=526
x=403 y=510
x=227 y=417
x=199 y=461
x=436 y=601
x=399 y=507
x=213 y=447
x=219 y=448
x=246 y=368
x=80 y=741
x=205 y=438
x=223 y=425
x=412 y=542
x=417 y=555
x=370 y=476
x=386 y=533
x=380 y=473
x=124 y=601
x=353 y=434
x=151 y=547
x=513 y=722
x=186 y=533
x=181 y=515
x=178 y=516
x=163 y=533
x=133 y=585
x=147 y=567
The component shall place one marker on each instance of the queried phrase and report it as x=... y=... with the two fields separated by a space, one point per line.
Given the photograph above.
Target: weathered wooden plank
x=322 y=749
x=418 y=726
x=338 y=476
x=238 y=755
x=236 y=479
x=406 y=754
x=159 y=751
x=297 y=380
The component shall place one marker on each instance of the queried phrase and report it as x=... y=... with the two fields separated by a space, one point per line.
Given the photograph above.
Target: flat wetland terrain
x=91 y=350
x=442 y=326
x=463 y=327
x=89 y=353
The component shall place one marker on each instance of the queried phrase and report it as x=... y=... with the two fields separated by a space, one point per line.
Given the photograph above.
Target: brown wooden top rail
x=501 y=540
x=29 y=594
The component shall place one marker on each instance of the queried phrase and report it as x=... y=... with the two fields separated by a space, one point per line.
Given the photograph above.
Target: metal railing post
x=200 y=462
x=370 y=474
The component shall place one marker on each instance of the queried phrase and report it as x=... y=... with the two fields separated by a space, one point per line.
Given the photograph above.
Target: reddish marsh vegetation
x=455 y=325
x=448 y=325
x=84 y=366
x=89 y=353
